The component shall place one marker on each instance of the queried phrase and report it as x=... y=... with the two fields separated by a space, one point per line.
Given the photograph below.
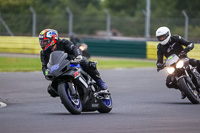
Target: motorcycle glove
x=77 y=59
x=182 y=54
x=46 y=72
x=189 y=47
x=159 y=65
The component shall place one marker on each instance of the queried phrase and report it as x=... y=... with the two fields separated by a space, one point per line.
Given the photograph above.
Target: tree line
x=124 y=13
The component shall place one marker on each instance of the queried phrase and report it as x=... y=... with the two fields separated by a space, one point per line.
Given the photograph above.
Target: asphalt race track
x=142 y=104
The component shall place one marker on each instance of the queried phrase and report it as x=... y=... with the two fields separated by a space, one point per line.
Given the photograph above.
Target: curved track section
x=141 y=103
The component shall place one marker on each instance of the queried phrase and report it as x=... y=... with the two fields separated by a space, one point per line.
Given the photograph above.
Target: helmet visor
x=163 y=37
x=43 y=43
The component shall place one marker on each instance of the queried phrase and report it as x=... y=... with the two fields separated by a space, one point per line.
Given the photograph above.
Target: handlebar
x=182 y=54
x=74 y=62
x=49 y=77
x=77 y=59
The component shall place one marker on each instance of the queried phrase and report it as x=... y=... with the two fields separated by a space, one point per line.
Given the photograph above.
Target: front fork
x=187 y=78
x=72 y=88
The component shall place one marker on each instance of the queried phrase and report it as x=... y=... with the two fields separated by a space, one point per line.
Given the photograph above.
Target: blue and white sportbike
x=76 y=89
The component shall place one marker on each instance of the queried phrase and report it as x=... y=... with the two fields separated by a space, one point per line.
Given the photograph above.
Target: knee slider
x=51 y=91
x=193 y=62
x=93 y=65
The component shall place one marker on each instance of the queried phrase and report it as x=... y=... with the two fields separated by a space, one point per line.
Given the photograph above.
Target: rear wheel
x=106 y=104
x=191 y=93
x=71 y=103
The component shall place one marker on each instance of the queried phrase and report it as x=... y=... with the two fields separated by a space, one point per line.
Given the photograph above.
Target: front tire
x=191 y=94
x=73 y=105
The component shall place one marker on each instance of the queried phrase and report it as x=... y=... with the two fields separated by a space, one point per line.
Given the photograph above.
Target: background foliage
x=89 y=17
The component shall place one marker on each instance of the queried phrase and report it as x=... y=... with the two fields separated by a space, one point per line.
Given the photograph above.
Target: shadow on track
x=83 y=113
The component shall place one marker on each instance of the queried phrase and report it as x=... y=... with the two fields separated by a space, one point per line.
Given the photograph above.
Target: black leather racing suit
x=175 y=46
x=73 y=51
x=62 y=45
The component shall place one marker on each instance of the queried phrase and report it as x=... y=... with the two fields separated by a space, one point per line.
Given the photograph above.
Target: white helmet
x=163 y=34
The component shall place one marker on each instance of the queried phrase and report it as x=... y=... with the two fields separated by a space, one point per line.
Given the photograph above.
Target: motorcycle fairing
x=171 y=60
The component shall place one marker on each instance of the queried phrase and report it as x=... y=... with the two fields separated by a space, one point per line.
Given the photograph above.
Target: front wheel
x=106 y=104
x=73 y=105
x=191 y=94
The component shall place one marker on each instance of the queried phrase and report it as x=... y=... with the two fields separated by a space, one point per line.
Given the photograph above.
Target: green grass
x=16 y=64
x=12 y=64
x=123 y=63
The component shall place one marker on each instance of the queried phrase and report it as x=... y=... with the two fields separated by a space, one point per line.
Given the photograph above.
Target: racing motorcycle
x=184 y=76
x=77 y=90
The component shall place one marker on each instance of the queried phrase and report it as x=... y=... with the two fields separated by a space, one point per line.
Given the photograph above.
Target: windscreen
x=171 y=60
x=56 y=57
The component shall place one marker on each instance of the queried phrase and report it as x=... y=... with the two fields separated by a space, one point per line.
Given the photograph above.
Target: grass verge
x=16 y=64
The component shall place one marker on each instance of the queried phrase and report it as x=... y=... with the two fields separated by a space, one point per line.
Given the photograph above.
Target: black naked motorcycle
x=76 y=89
x=184 y=76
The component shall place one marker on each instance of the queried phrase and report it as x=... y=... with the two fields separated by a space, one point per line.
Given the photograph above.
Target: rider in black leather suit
x=169 y=45
x=50 y=42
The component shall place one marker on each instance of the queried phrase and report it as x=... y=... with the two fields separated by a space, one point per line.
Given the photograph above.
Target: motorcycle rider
x=169 y=45
x=49 y=42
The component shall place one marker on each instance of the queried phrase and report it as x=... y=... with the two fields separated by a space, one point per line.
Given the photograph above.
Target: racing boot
x=102 y=86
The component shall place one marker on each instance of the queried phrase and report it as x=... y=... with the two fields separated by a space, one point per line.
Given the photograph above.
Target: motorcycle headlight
x=180 y=64
x=170 y=70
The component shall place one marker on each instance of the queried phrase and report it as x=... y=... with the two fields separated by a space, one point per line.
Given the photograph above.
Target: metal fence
x=22 y=25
